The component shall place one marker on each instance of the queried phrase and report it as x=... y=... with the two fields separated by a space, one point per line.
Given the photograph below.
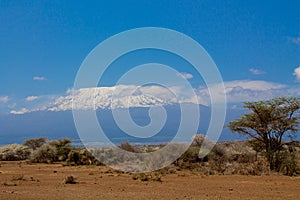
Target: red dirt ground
x=45 y=181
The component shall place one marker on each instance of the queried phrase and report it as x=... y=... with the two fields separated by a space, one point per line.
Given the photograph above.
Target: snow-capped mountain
x=117 y=97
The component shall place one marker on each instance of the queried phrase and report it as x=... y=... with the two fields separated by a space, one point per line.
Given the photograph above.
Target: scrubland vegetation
x=40 y=150
x=226 y=158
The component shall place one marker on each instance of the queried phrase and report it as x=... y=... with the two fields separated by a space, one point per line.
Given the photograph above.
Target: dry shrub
x=71 y=179
x=9 y=184
x=19 y=177
x=198 y=140
x=14 y=152
x=232 y=151
x=236 y=158
x=44 y=154
x=170 y=153
x=288 y=160
x=171 y=169
x=128 y=147
x=106 y=154
x=52 y=151
x=190 y=159
x=224 y=158
x=154 y=176
x=259 y=167
x=81 y=157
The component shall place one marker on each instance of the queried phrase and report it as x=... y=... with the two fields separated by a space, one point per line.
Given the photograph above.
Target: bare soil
x=19 y=180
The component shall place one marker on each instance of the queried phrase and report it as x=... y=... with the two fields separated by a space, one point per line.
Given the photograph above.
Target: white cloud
x=297 y=73
x=243 y=90
x=295 y=40
x=185 y=75
x=235 y=107
x=20 y=112
x=4 y=99
x=11 y=106
x=31 y=98
x=39 y=78
x=253 y=85
x=256 y=71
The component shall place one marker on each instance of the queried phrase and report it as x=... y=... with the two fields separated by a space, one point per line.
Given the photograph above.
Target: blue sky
x=42 y=44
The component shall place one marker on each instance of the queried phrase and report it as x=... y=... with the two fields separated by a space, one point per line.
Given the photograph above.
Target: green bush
x=52 y=151
x=63 y=148
x=44 y=154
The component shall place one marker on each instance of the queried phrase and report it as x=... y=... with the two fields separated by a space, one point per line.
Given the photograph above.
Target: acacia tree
x=35 y=142
x=267 y=123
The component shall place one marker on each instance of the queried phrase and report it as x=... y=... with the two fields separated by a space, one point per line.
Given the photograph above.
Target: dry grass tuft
x=71 y=179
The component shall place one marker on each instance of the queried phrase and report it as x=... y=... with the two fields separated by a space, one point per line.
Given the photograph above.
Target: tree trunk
x=270 y=156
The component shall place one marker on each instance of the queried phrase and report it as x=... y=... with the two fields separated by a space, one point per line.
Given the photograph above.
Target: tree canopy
x=268 y=122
